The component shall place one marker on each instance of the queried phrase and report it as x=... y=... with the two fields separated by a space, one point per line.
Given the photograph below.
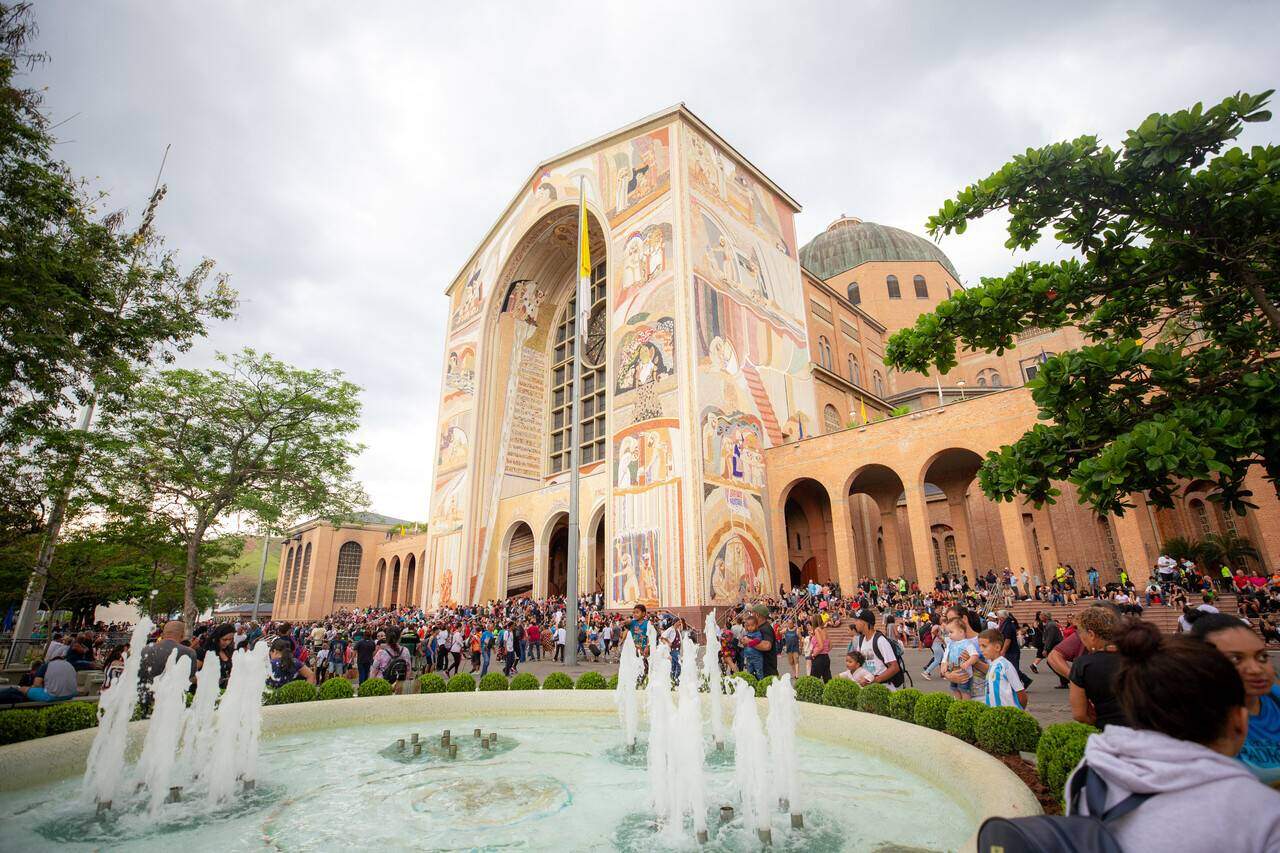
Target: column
x=1133 y=552
x=1015 y=544
x=840 y=550
x=1262 y=525
x=921 y=541
x=959 y=511
x=1048 y=539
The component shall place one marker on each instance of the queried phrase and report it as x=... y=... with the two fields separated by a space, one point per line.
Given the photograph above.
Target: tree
x=240 y=589
x=1175 y=289
x=1230 y=548
x=84 y=304
x=257 y=437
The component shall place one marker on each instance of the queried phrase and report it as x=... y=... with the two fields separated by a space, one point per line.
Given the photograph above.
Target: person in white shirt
x=56 y=648
x=877 y=652
x=560 y=637
x=1004 y=686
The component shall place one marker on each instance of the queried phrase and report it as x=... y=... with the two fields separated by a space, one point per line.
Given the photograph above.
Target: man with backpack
x=883 y=657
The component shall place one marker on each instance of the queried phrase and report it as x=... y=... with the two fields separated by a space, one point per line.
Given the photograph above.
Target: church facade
x=739 y=428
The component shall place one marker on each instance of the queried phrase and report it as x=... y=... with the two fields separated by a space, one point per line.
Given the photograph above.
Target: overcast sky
x=341 y=161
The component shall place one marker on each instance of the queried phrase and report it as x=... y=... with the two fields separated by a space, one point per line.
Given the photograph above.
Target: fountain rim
x=991 y=788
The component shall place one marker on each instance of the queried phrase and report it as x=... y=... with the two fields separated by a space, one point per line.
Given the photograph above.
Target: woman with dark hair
x=1168 y=780
x=1248 y=654
x=113 y=666
x=285 y=667
x=219 y=642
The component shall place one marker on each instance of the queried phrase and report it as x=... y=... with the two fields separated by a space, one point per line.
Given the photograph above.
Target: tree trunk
x=189 y=611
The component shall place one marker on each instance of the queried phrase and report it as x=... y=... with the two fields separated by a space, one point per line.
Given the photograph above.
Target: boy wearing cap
x=877 y=651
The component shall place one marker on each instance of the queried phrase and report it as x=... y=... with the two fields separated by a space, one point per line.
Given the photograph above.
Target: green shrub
x=336 y=688
x=21 y=724
x=1001 y=731
x=874 y=699
x=744 y=676
x=762 y=686
x=840 y=693
x=493 y=681
x=375 y=687
x=1060 y=749
x=294 y=691
x=69 y=717
x=931 y=710
x=524 y=681
x=809 y=689
x=902 y=704
x=465 y=682
x=557 y=681
x=591 y=681
x=962 y=716
x=612 y=682
x=432 y=682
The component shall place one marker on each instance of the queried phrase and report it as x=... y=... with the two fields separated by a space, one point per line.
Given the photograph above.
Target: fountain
x=626 y=694
x=715 y=678
x=750 y=759
x=781 y=726
x=105 y=768
x=685 y=739
x=661 y=770
x=160 y=750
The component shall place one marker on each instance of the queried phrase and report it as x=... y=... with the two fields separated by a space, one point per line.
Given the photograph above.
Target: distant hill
x=249 y=561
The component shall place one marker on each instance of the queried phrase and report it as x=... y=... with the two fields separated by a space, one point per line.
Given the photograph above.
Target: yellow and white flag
x=584 y=260
x=863 y=400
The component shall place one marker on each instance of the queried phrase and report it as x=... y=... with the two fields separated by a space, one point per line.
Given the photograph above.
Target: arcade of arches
x=900 y=498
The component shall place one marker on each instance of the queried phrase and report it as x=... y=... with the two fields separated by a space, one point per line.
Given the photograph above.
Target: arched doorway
x=794 y=575
x=395 y=581
x=381 y=574
x=810 y=535
x=410 y=575
x=877 y=510
x=598 y=557
x=555 y=578
x=519 y=560
x=947 y=477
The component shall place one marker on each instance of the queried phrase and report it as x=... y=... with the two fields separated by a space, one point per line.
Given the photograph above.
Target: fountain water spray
x=105 y=769
x=625 y=695
x=160 y=751
x=661 y=722
x=711 y=668
x=197 y=735
x=686 y=743
x=238 y=724
x=750 y=759
x=781 y=725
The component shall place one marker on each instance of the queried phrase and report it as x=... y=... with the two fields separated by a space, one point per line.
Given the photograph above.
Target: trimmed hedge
x=21 y=724
x=612 y=682
x=1060 y=749
x=464 y=682
x=762 y=686
x=902 y=704
x=874 y=699
x=524 y=681
x=743 y=675
x=809 y=689
x=557 y=681
x=432 y=682
x=336 y=688
x=493 y=681
x=294 y=691
x=962 y=716
x=840 y=693
x=931 y=710
x=375 y=687
x=591 y=681
x=1002 y=731
x=69 y=717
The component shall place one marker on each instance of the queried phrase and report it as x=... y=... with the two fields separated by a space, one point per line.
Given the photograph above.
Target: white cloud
x=342 y=164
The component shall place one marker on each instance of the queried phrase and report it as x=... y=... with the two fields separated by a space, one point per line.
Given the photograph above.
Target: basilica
x=739 y=427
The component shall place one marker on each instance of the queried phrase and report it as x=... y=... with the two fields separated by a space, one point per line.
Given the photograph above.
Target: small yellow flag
x=584 y=243
x=864 y=408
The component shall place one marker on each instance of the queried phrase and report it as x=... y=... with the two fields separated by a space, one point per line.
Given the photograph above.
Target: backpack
x=1073 y=833
x=897 y=680
x=397 y=670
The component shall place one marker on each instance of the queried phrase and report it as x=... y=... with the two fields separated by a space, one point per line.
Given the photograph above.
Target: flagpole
x=579 y=329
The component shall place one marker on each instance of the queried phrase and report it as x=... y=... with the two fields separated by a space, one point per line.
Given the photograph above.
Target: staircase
x=761 y=396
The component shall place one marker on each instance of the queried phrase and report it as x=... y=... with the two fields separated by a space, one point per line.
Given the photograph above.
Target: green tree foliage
x=1175 y=289
x=256 y=436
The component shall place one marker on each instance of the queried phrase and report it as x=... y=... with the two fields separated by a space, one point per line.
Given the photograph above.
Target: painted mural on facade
x=635 y=174
x=648 y=565
x=753 y=385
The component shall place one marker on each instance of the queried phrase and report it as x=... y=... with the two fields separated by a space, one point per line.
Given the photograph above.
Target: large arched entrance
x=410 y=575
x=810 y=535
x=556 y=571
x=381 y=574
x=519 y=559
x=947 y=477
x=595 y=578
x=877 y=512
x=395 y=581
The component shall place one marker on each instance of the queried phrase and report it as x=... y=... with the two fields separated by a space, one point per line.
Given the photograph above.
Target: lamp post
x=262 y=571
x=960 y=385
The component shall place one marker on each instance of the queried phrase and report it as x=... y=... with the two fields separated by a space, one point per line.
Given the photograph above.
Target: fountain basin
x=845 y=755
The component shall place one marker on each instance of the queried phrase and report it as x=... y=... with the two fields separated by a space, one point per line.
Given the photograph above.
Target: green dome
x=849 y=241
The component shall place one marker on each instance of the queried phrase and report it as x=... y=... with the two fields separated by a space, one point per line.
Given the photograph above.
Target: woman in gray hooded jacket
x=1185 y=706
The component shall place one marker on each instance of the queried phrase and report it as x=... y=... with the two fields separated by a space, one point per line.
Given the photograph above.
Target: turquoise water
x=555 y=782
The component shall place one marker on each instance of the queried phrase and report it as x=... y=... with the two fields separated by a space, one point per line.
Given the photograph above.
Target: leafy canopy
x=1175 y=289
